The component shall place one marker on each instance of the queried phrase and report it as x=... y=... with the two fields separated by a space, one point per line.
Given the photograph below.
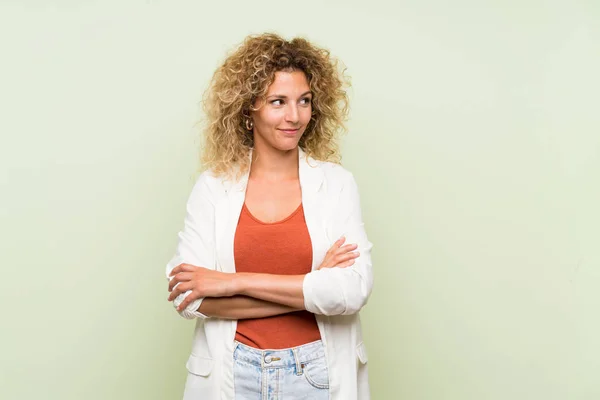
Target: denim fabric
x=283 y=374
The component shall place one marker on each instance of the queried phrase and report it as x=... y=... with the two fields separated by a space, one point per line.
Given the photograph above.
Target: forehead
x=293 y=81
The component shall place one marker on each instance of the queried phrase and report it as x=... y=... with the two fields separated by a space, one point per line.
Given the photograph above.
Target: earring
x=249 y=124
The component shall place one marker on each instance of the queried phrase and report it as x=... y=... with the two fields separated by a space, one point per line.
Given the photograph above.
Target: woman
x=261 y=262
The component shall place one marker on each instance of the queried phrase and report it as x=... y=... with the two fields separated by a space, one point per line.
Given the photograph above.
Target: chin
x=287 y=147
x=286 y=144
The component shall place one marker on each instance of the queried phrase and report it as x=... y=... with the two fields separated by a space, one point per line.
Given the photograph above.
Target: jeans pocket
x=316 y=373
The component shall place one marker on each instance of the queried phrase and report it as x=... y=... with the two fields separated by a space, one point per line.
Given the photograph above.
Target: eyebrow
x=281 y=96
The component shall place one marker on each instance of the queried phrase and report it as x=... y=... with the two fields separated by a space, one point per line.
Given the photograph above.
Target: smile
x=290 y=131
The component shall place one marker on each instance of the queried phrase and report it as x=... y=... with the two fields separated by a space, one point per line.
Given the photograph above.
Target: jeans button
x=267 y=359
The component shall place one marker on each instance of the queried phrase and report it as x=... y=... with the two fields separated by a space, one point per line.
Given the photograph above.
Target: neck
x=274 y=165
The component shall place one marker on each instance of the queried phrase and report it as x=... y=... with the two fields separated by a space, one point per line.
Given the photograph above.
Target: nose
x=291 y=115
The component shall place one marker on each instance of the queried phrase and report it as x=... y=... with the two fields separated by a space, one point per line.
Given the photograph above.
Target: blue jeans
x=294 y=373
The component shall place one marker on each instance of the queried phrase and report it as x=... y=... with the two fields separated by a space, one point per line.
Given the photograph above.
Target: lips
x=289 y=131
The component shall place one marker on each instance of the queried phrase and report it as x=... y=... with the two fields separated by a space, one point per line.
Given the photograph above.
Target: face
x=282 y=118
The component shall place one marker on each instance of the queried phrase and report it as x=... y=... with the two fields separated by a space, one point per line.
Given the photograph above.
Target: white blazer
x=335 y=295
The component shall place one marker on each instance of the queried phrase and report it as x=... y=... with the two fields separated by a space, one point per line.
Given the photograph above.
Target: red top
x=283 y=248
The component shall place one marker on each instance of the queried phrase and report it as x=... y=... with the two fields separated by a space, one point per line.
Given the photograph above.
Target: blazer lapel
x=311 y=183
x=228 y=214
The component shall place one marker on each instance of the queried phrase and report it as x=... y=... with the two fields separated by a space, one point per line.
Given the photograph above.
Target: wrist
x=239 y=283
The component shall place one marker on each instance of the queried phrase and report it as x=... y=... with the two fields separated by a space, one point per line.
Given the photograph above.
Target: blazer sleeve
x=343 y=291
x=196 y=244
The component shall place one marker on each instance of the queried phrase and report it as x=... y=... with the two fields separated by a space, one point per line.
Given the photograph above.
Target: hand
x=340 y=256
x=201 y=281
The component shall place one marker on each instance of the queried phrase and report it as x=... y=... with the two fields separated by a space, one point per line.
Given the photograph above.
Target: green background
x=474 y=137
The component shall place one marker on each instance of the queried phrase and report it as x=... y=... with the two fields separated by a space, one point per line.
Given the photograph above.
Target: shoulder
x=207 y=185
x=340 y=190
x=338 y=184
x=335 y=175
x=208 y=177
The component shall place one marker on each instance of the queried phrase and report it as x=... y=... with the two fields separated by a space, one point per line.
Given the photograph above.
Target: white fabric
x=191 y=311
x=331 y=205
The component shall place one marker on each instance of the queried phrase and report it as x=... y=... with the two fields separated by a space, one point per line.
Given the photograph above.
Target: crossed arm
x=327 y=290
x=241 y=307
x=249 y=295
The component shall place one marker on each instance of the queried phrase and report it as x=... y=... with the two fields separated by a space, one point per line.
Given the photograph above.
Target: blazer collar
x=309 y=171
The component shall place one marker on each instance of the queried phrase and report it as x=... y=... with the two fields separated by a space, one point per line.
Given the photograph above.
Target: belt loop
x=297 y=359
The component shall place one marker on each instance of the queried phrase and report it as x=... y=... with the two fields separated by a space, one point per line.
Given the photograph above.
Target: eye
x=306 y=100
x=277 y=102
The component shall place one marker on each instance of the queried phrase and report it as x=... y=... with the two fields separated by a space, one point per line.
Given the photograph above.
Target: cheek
x=306 y=114
x=268 y=119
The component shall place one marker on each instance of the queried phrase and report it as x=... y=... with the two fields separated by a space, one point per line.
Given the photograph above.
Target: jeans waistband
x=278 y=358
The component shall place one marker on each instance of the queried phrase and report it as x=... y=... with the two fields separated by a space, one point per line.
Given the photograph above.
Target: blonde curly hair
x=245 y=77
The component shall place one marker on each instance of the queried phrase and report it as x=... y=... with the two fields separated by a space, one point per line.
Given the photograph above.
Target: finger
x=180 y=277
x=188 y=267
x=347 y=248
x=174 y=281
x=175 y=270
x=181 y=288
x=188 y=299
x=345 y=257
x=340 y=256
x=345 y=264
x=182 y=268
x=185 y=276
x=337 y=243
